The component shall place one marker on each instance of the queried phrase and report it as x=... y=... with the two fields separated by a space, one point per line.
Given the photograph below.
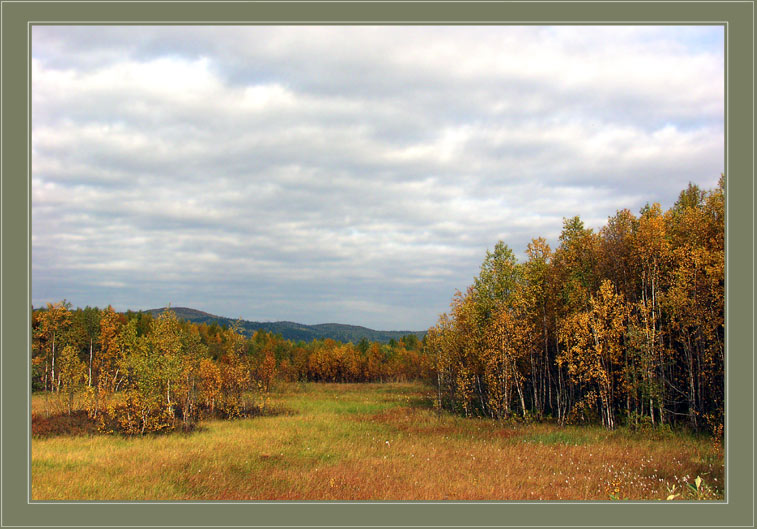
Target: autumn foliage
x=623 y=325
x=620 y=326
x=139 y=374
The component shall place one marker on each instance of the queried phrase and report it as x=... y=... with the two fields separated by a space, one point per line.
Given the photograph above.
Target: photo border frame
x=16 y=509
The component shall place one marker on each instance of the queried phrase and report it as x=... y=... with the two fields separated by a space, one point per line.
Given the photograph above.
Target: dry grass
x=370 y=442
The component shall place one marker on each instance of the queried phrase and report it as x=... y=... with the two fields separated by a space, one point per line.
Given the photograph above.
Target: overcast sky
x=346 y=174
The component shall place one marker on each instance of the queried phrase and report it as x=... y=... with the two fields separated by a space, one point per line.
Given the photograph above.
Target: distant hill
x=293 y=331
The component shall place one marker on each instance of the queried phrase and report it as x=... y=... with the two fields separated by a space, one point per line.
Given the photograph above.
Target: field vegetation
x=323 y=441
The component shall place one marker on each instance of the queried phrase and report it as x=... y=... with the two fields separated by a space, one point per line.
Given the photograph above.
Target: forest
x=620 y=326
x=137 y=374
x=623 y=325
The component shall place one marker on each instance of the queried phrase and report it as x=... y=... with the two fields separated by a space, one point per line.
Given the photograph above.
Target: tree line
x=141 y=374
x=621 y=325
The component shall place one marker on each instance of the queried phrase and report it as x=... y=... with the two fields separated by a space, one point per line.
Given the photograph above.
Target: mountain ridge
x=291 y=330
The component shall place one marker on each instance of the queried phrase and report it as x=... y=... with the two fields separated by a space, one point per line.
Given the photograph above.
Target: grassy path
x=370 y=441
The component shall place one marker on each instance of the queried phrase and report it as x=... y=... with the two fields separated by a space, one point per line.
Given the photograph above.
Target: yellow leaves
x=593 y=343
x=51 y=325
x=72 y=369
x=209 y=382
x=56 y=318
x=266 y=371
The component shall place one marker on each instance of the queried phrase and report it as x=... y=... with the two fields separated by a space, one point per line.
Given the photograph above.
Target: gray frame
x=15 y=509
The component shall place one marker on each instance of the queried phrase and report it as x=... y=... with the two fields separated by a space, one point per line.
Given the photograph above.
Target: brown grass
x=371 y=442
x=78 y=423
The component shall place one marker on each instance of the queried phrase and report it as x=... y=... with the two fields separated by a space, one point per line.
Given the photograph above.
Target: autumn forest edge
x=623 y=326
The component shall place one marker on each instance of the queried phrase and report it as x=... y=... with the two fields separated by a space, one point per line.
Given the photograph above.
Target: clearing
x=372 y=442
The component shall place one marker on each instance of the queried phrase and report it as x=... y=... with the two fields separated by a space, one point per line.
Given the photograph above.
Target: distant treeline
x=293 y=331
x=139 y=374
x=621 y=325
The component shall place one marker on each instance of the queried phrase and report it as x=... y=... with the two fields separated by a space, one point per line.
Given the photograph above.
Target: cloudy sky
x=346 y=174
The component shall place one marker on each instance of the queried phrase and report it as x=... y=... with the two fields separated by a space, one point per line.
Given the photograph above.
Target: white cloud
x=277 y=173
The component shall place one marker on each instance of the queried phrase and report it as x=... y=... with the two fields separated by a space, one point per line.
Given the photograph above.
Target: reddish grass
x=78 y=423
x=372 y=442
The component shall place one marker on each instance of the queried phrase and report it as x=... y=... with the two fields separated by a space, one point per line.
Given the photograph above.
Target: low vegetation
x=136 y=374
x=370 y=441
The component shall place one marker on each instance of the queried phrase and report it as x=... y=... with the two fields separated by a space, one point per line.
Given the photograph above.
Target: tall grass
x=369 y=441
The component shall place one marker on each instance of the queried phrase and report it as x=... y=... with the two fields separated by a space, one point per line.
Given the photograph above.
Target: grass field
x=371 y=442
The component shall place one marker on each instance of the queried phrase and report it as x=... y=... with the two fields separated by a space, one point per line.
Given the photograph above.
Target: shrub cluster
x=142 y=374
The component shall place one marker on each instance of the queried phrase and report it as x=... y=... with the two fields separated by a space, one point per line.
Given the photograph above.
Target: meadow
x=321 y=441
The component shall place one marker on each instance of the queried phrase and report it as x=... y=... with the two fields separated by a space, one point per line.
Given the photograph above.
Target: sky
x=345 y=174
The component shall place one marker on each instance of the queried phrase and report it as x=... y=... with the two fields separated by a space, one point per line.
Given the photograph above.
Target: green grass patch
x=558 y=437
